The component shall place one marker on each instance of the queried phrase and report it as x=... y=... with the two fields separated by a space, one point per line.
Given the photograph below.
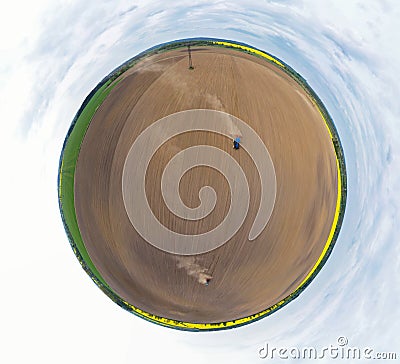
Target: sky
x=53 y=53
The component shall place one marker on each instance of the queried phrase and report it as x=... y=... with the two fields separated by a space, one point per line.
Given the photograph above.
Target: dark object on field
x=190 y=58
x=236 y=143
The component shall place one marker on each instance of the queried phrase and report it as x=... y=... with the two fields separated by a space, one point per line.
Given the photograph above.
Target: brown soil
x=247 y=277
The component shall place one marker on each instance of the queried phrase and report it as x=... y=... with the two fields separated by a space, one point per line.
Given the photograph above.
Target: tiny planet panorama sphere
x=202 y=184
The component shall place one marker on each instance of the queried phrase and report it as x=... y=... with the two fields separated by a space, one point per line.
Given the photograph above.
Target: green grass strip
x=68 y=162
